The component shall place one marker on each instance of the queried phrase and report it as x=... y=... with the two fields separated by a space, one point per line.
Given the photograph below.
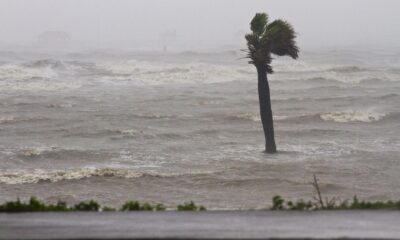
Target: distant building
x=54 y=39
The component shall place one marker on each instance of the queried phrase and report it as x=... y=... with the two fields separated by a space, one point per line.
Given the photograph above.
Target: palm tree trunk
x=265 y=110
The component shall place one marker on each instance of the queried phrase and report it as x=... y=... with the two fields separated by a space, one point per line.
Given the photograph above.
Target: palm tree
x=277 y=37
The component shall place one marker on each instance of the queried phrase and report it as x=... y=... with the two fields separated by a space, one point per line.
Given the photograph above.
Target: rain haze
x=198 y=24
x=155 y=101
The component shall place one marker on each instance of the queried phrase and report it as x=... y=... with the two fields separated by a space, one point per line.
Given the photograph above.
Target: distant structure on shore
x=54 y=39
x=167 y=38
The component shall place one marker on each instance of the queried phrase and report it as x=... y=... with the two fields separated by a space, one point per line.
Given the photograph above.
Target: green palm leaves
x=259 y=23
x=277 y=37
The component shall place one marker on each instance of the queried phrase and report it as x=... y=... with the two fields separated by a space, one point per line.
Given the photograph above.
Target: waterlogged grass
x=91 y=206
x=190 y=206
x=356 y=204
x=278 y=203
x=136 y=206
x=281 y=204
x=35 y=205
x=320 y=203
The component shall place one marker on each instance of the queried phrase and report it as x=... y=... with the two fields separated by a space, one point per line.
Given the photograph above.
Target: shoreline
x=278 y=204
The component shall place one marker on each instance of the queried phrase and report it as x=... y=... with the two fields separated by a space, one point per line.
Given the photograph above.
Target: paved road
x=202 y=225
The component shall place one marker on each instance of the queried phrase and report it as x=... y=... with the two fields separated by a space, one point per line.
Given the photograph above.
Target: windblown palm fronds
x=277 y=37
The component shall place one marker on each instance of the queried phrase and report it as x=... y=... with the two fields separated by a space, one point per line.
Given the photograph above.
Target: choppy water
x=169 y=128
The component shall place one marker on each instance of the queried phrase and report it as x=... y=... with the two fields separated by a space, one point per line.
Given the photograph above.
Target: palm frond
x=259 y=23
x=258 y=52
x=281 y=37
x=253 y=43
x=276 y=38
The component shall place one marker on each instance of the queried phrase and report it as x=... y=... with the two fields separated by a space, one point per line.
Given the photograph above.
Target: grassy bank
x=35 y=205
x=323 y=203
x=281 y=204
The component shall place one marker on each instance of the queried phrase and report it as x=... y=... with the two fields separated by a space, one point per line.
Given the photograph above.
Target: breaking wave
x=152 y=73
x=46 y=63
x=344 y=98
x=54 y=74
x=19 y=73
x=19 y=77
x=13 y=119
x=340 y=117
x=40 y=175
x=348 y=69
x=255 y=117
x=353 y=116
x=155 y=116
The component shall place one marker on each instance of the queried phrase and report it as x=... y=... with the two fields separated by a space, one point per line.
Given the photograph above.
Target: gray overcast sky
x=199 y=23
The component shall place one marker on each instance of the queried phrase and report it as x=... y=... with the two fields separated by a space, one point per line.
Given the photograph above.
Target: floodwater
x=173 y=127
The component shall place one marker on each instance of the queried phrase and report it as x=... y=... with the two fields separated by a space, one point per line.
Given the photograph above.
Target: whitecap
x=38 y=175
x=36 y=151
x=255 y=117
x=24 y=78
x=352 y=116
x=7 y=119
x=128 y=132
x=13 y=119
x=156 y=73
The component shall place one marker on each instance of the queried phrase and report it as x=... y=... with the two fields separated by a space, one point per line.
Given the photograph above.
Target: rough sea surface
x=174 y=127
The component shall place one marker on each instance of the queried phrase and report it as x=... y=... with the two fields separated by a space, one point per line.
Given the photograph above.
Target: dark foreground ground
x=203 y=225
